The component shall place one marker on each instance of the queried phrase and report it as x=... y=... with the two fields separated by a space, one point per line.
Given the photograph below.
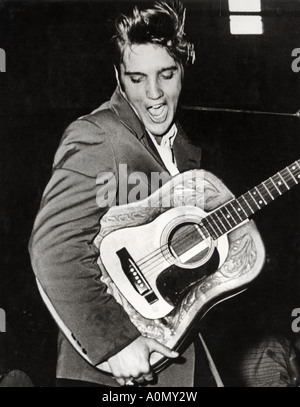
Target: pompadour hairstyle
x=162 y=25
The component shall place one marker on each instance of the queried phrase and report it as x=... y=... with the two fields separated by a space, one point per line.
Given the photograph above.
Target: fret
x=243 y=207
x=295 y=170
x=220 y=219
x=272 y=188
x=238 y=210
x=292 y=175
x=262 y=200
x=289 y=180
x=264 y=193
x=217 y=222
x=227 y=217
x=256 y=198
x=278 y=190
x=235 y=214
x=281 y=177
x=205 y=222
x=279 y=183
x=251 y=210
x=216 y=228
x=267 y=189
x=238 y=216
x=252 y=197
x=298 y=165
x=232 y=214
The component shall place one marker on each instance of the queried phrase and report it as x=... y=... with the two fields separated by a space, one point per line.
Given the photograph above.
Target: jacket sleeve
x=63 y=256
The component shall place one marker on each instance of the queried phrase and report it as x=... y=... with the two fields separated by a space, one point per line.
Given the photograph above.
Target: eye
x=136 y=79
x=168 y=74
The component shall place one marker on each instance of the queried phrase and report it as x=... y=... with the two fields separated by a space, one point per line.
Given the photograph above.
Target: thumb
x=155 y=346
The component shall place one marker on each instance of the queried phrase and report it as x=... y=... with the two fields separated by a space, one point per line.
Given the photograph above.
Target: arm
x=62 y=251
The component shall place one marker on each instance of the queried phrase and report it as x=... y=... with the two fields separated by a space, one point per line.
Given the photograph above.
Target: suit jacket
x=61 y=246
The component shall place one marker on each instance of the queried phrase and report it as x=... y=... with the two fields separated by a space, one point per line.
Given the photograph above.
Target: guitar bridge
x=135 y=276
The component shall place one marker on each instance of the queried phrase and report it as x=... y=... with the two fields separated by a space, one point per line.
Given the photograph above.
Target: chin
x=159 y=130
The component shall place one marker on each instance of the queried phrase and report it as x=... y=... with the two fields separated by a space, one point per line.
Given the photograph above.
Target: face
x=151 y=80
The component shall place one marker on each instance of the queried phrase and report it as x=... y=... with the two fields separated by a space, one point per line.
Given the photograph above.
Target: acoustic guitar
x=168 y=259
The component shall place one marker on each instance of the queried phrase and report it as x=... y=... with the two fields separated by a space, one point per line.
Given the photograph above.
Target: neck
x=169 y=134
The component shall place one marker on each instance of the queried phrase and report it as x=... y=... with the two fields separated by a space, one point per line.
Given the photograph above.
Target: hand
x=133 y=362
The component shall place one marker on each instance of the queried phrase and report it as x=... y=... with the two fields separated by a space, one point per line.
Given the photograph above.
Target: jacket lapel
x=187 y=155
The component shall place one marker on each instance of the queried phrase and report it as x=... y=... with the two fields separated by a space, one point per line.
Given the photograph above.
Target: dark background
x=59 y=67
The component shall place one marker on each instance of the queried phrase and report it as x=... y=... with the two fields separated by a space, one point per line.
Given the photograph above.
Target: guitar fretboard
x=233 y=213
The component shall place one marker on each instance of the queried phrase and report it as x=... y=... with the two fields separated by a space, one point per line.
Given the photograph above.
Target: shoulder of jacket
x=85 y=141
x=89 y=129
x=101 y=116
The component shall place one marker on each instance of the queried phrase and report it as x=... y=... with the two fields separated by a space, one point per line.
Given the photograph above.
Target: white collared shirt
x=165 y=149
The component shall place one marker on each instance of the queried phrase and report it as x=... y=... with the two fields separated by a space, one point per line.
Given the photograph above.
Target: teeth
x=157 y=112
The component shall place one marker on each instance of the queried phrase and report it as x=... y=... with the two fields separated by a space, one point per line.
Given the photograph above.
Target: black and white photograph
x=149 y=199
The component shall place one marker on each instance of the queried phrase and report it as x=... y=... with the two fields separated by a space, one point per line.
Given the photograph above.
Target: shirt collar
x=168 y=139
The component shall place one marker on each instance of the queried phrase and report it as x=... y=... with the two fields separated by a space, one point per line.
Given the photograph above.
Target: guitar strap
x=211 y=363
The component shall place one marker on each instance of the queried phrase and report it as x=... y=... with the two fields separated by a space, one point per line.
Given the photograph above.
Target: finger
x=147 y=373
x=143 y=379
x=139 y=380
x=148 y=377
x=164 y=350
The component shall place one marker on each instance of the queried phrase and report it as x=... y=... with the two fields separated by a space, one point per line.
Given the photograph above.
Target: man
x=137 y=127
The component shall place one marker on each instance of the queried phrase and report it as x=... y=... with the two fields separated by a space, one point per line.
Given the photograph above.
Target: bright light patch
x=242 y=25
x=244 y=6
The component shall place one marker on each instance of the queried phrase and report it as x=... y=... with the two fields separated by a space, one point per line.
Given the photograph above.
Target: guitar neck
x=226 y=218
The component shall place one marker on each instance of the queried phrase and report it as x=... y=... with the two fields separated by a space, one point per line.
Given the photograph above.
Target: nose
x=154 y=90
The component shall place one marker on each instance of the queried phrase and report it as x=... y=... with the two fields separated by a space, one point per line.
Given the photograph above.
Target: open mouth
x=158 y=113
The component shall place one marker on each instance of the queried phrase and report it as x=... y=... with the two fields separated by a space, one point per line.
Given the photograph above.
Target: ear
x=117 y=77
x=182 y=71
x=117 y=74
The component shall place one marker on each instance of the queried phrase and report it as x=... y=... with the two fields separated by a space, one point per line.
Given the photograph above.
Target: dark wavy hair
x=162 y=25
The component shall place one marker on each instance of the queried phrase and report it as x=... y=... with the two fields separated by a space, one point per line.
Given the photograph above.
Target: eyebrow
x=169 y=68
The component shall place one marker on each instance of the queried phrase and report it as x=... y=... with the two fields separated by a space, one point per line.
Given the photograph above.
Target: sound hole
x=189 y=243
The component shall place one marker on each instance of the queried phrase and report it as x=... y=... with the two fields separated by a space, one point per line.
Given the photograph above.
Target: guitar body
x=163 y=266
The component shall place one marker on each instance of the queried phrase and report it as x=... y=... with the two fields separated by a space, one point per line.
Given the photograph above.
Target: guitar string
x=158 y=256
x=179 y=239
x=158 y=253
